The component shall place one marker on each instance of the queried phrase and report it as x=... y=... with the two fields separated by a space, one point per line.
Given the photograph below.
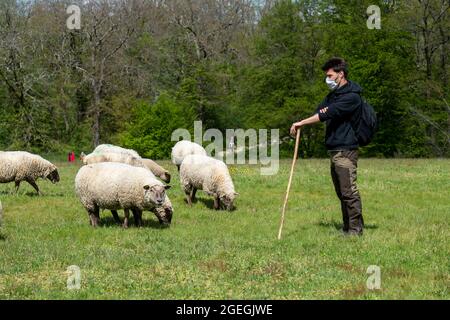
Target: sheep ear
x=167 y=187
x=146 y=187
x=236 y=194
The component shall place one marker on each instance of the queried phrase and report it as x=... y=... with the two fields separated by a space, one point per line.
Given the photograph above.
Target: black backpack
x=367 y=126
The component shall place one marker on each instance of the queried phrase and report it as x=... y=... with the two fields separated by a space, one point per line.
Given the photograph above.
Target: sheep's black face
x=227 y=201
x=166 y=177
x=169 y=214
x=164 y=215
x=53 y=176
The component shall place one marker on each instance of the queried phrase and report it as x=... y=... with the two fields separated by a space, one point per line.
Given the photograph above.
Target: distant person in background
x=71 y=156
x=341 y=108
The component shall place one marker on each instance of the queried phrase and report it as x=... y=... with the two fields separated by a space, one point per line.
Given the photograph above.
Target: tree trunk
x=96 y=120
x=444 y=56
x=96 y=113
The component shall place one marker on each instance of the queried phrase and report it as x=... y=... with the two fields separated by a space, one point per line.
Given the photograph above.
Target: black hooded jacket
x=344 y=108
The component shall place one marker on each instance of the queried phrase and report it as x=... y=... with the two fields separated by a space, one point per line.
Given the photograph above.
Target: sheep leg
x=127 y=216
x=188 y=192
x=193 y=191
x=216 y=203
x=17 y=186
x=97 y=214
x=94 y=216
x=116 y=216
x=35 y=186
x=93 y=220
x=141 y=223
x=137 y=217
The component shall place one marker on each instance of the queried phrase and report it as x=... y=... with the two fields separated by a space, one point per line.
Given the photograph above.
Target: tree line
x=138 y=69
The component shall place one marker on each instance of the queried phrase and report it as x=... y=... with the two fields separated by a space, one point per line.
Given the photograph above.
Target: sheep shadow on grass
x=31 y=193
x=208 y=203
x=147 y=222
x=13 y=193
x=7 y=193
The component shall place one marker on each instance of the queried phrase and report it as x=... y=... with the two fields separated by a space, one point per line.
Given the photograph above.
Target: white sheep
x=135 y=160
x=97 y=157
x=21 y=166
x=115 y=186
x=112 y=148
x=184 y=148
x=210 y=175
x=157 y=170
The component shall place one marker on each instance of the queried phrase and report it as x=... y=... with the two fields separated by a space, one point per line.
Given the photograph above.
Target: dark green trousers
x=343 y=172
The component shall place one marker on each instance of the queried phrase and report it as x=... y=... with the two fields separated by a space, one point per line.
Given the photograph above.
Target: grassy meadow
x=207 y=254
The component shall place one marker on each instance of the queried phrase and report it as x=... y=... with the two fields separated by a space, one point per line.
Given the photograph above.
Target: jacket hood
x=349 y=87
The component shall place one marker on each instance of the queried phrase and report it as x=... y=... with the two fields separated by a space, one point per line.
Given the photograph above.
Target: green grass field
x=207 y=254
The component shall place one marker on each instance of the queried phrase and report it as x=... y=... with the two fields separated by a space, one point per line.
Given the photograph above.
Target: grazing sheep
x=166 y=209
x=97 y=157
x=157 y=170
x=184 y=148
x=21 y=166
x=210 y=175
x=116 y=149
x=117 y=186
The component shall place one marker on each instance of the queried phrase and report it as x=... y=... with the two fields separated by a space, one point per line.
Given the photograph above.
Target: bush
x=150 y=129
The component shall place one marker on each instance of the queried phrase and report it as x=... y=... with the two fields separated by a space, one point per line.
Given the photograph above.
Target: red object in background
x=71 y=157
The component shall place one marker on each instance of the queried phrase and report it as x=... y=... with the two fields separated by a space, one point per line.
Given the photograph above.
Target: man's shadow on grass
x=340 y=225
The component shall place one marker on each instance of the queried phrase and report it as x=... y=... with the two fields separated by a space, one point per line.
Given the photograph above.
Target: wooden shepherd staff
x=297 y=142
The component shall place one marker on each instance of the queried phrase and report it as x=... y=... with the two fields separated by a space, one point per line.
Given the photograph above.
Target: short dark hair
x=337 y=64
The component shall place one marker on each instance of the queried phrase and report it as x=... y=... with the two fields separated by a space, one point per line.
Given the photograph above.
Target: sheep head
x=165 y=177
x=52 y=174
x=227 y=200
x=154 y=195
x=164 y=215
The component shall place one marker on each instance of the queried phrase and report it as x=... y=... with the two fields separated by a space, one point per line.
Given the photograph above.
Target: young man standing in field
x=341 y=108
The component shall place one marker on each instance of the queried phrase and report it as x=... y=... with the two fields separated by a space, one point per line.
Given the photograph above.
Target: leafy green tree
x=150 y=129
x=280 y=86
